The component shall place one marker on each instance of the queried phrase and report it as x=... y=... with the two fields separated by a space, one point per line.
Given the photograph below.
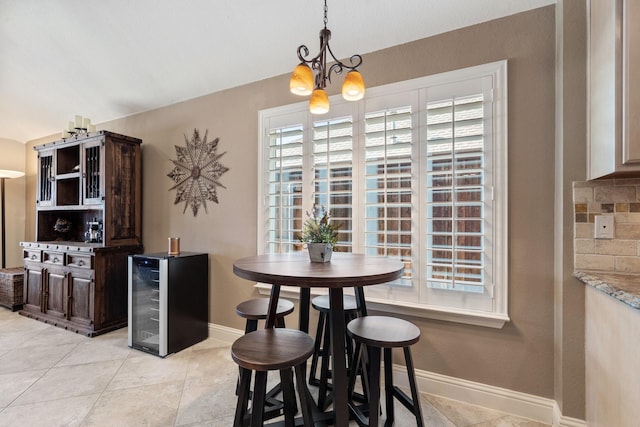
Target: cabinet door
x=33 y=288
x=630 y=84
x=81 y=292
x=122 y=220
x=614 y=92
x=56 y=292
x=46 y=178
x=93 y=173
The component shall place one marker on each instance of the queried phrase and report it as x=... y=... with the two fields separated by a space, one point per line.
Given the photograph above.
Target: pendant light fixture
x=304 y=83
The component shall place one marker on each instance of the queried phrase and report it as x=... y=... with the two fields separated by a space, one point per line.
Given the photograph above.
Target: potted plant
x=319 y=235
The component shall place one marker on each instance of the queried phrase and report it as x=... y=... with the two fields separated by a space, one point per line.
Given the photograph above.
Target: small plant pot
x=319 y=252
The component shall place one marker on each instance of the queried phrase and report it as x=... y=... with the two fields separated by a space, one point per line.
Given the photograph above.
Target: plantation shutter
x=455 y=232
x=284 y=217
x=388 y=192
x=333 y=174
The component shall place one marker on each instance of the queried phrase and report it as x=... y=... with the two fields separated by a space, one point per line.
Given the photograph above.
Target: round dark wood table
x=343 y=271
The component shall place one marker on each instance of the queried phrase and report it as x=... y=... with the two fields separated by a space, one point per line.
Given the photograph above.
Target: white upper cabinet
x=613 y=140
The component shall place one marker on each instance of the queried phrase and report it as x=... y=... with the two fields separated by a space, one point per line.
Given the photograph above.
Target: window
x=416 y=171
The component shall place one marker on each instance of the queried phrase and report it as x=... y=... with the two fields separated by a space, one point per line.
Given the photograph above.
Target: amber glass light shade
x=353 y=86
x=301 y=82
x=319 y=102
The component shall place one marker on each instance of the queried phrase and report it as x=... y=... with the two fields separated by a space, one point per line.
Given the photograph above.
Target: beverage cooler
x=168 y=301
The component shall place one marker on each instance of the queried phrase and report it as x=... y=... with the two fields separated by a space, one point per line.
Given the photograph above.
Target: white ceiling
x=107 y=59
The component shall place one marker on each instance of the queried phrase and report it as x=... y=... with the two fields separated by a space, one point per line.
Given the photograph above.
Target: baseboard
x=561 y=421
x=224 y=333
x=512 y=402
x=500 y=399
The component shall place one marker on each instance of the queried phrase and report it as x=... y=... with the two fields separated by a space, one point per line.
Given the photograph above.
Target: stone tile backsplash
x=617 y=197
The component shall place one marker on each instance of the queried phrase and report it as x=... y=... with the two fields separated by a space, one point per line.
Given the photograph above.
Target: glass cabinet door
x=93 y=177
x=46 y=178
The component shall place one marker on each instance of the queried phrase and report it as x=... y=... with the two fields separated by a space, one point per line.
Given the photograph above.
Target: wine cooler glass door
x=147 y=331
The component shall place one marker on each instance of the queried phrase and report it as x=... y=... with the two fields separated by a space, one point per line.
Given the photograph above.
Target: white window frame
x=496 y=186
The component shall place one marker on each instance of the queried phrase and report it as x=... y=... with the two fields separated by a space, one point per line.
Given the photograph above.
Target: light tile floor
x=51 y=377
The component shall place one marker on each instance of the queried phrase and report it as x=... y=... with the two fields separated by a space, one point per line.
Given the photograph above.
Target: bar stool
x=375 y=333
x=322 y=348
x=256 y=309
x=270 y=350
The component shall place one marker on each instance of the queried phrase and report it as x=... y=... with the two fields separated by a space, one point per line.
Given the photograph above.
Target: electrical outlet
x=603 y=227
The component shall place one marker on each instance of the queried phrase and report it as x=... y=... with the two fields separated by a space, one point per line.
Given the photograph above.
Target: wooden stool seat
x=256 y=309
x=384 y=331
x=270 y=350
x=321 y=303
x=322 y=350
x=372 y=335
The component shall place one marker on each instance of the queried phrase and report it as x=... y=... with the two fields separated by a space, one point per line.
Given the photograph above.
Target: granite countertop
x=621 y=286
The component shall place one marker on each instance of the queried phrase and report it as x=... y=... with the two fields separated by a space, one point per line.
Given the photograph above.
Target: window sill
x=495 y=321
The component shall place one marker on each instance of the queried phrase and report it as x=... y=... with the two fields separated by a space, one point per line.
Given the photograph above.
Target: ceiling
x=107 y=59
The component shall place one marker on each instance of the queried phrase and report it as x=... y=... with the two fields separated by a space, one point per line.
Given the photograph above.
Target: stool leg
x=313 y=380
x=388 y=387
x=374 y=385
x=271 y=403
x=303 y=395
x=243 y=397
x=417 y=408
x=358 y=365
x=349 y=342
x=250 y=326
x=324 y=370
x=353 y=374
x=257 y=406
x=289 y=397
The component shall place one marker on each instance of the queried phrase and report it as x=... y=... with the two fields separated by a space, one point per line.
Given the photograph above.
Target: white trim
x=500 y=399
x=511 y=402
x=467 y=317
x=561 y=421
x=224 y=333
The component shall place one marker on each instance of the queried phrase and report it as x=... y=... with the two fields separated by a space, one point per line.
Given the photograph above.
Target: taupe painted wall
x=12 y=158
x=571 y=131
x=521 y=355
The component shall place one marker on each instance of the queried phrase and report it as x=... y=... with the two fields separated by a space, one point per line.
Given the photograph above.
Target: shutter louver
x=455 y=194
x=284 y=199
x=333 y=175
x=388 y=194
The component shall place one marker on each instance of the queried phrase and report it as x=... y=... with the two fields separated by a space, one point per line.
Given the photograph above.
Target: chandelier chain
x=326 y=9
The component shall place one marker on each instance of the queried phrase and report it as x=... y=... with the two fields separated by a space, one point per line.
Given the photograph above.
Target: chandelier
x=304 y=83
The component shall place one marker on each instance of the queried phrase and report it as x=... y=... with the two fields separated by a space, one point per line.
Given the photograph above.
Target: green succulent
x=318 y=229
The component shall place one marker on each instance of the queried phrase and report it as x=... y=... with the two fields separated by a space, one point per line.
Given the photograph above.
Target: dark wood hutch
x=88 y=220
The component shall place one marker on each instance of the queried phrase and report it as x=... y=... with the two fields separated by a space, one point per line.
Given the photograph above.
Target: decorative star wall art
x=196 y=172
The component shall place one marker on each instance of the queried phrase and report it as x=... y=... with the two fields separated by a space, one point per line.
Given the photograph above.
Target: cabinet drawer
x=80 y=260
x=33 y=255
x=56 y=258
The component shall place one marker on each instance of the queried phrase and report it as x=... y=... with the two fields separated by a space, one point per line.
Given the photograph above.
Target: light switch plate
x=603 y=227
